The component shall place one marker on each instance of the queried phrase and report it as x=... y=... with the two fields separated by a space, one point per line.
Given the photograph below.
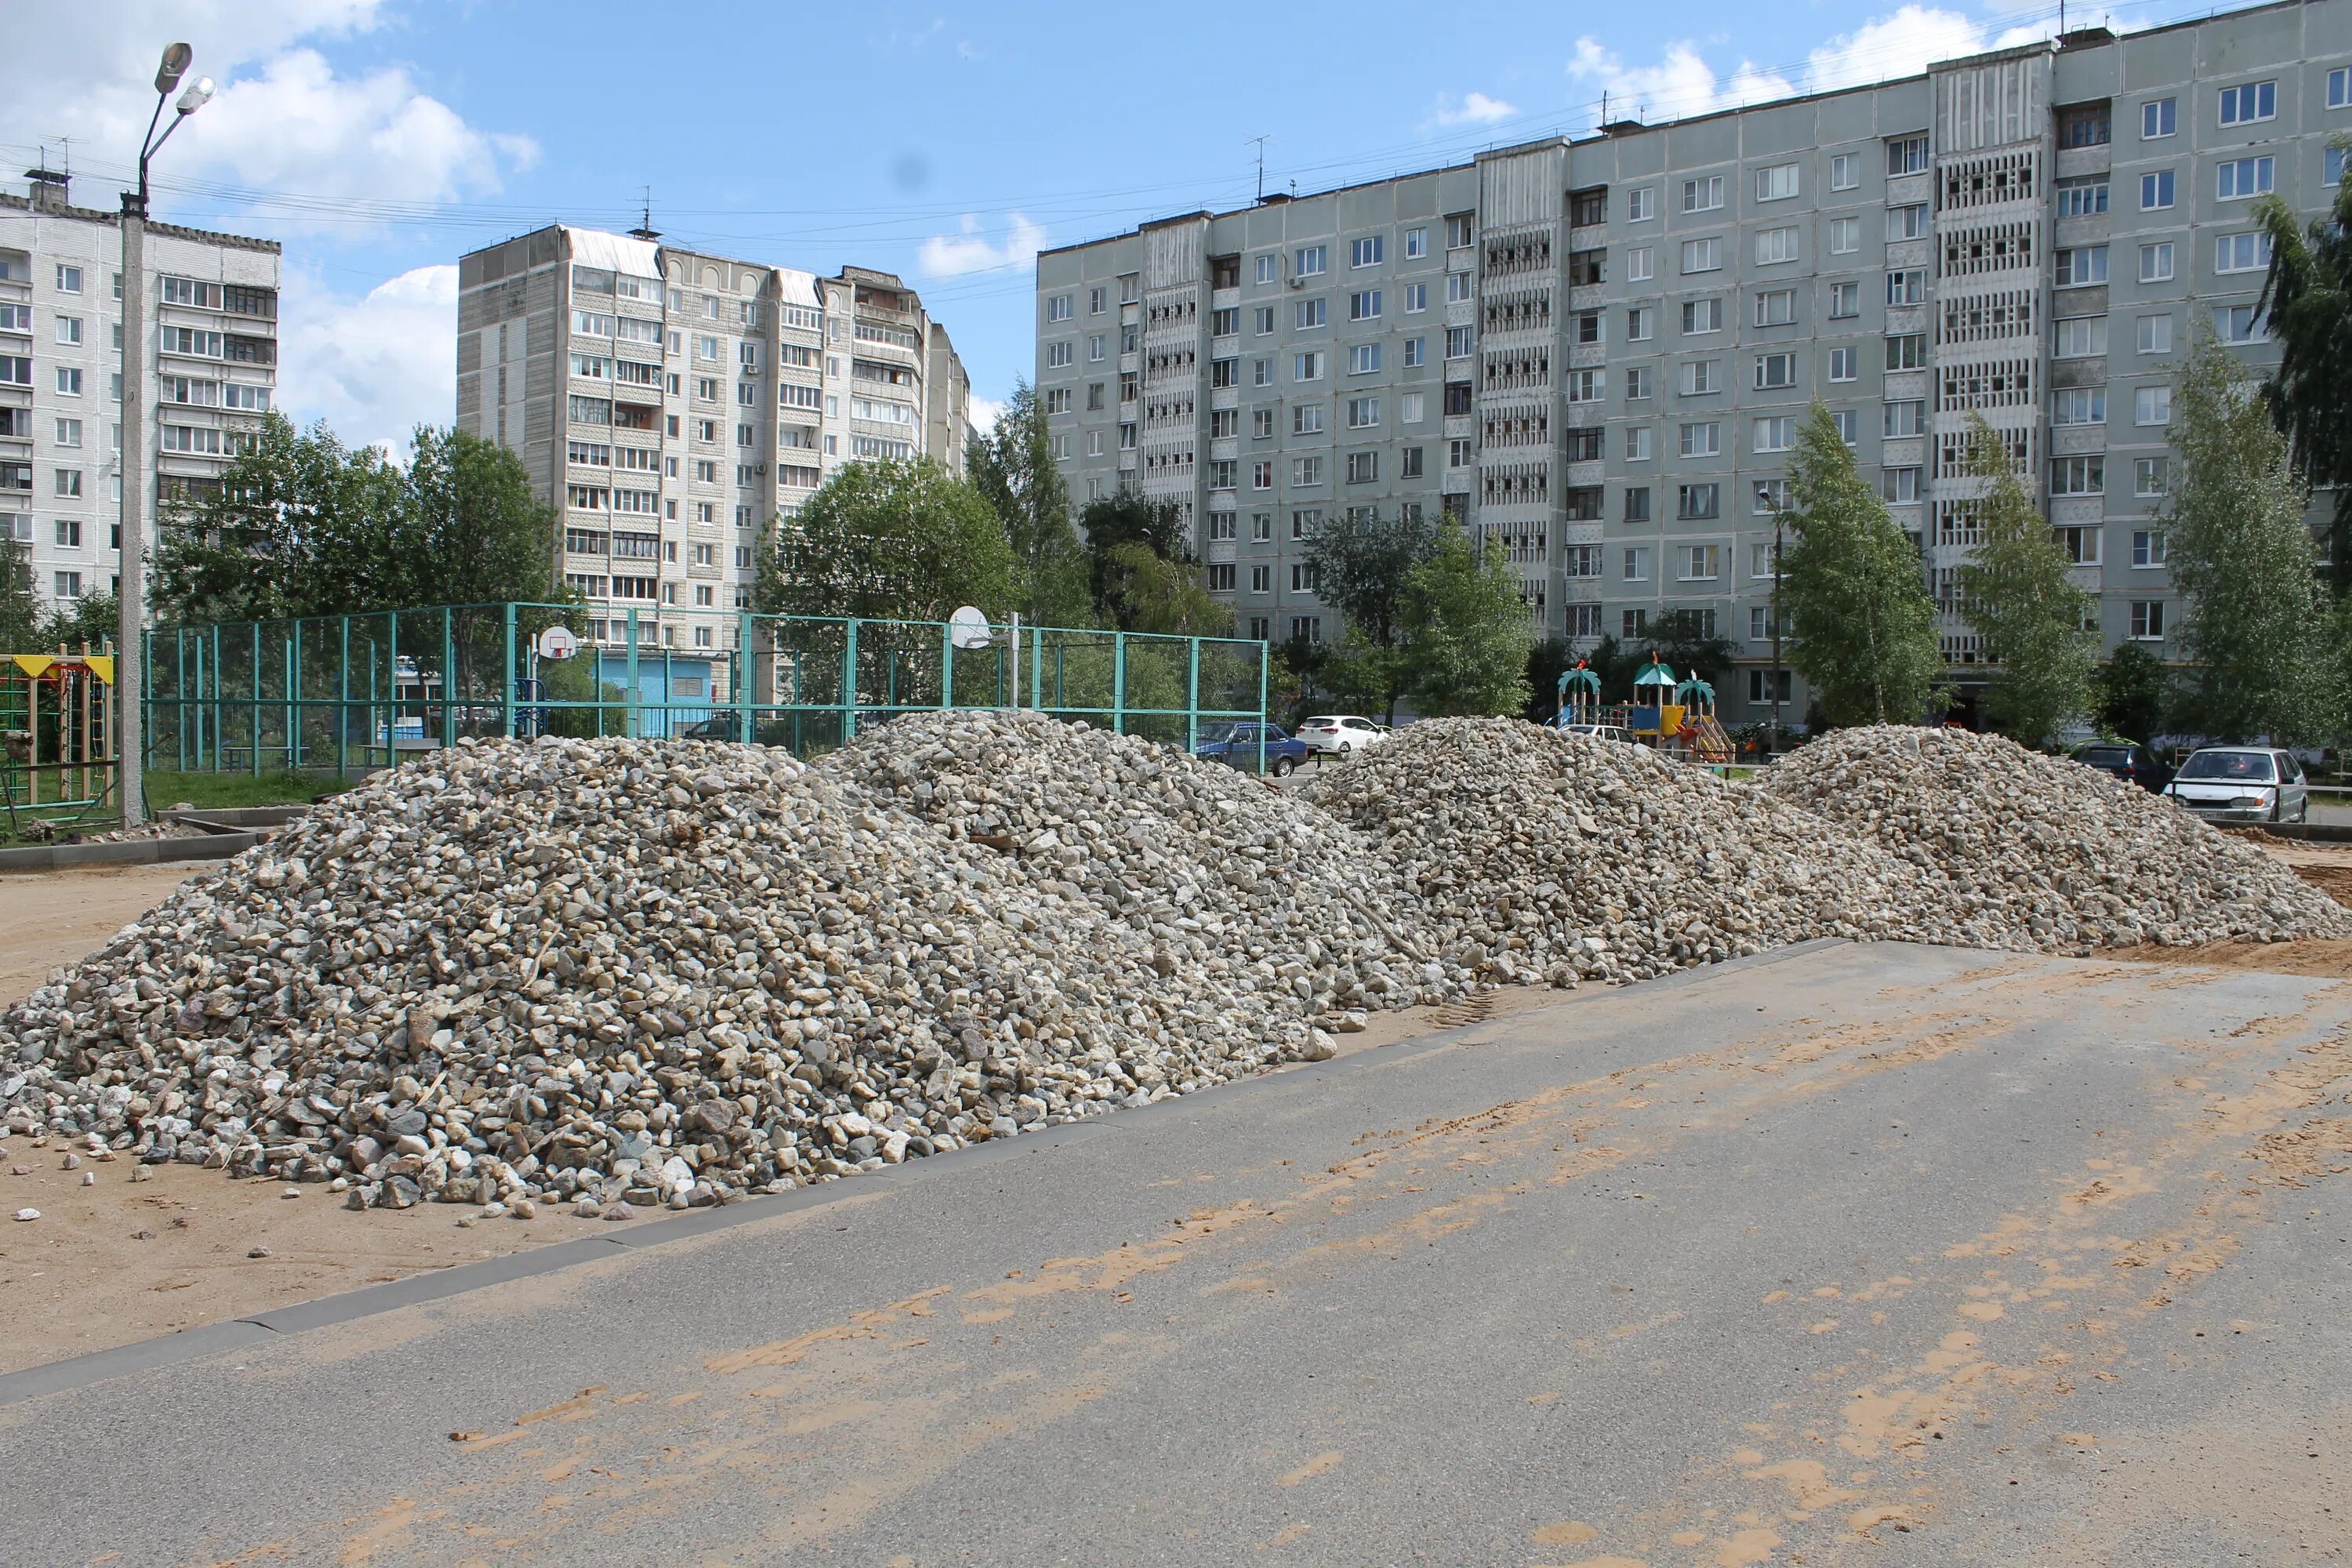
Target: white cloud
x=283 y=118
x=1476 y=109
x=985 y=412
x=1903 y=42
x=373 y=366
x=1681 y=83
x=971 y=250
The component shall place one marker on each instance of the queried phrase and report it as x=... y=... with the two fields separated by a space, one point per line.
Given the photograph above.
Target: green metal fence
x=343 y=693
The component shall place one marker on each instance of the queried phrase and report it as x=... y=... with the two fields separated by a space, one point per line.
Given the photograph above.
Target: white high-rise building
x=212 y=303
x=673 y=404
x=1597 y=350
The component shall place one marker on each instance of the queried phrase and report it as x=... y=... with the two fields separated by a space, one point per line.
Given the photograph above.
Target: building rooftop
x=93 y=214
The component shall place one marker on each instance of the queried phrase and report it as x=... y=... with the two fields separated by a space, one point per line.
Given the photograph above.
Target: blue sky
x=381 y=139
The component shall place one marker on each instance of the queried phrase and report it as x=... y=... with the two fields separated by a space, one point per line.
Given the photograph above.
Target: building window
x=1307 y=315
x=2147 y=620
x=1907 y=155
x=1267 y=268
x=1703 y=500
x=1906 y=286
x=1309 y=261
x=2081 y=337
x=1847 y=424
x=1702 y=255
x=2156 y=263
x=1363 y=412
x=1641 y=264
x=1910 y=222
x=2084 y=197
x=2152 y=406
x=1845 y=235
x=2150 y=477
x=1307 y=419
x=1638 y=382
x=2238 y=179
x=1703 y=194
x=1702 y=440
x=2157 y=119
x=1774 y=372
x=2079 y=406
x=68 y=279
x=2245 y=105
x=1306 y=367
x=1697 y=563
x=1416 y=298
x=2078 y=476
x=1306 y=471
x=1906 y=418
x=1416 y=244
x=1363 y=467
x=1363 y=358
x=1701 y=316
x=2242 y=252
x=1458 y=454
x=1637 y=443
x=1638 y=321
x=1898 y=487
x=2339 y=87
x=2155 y=191
x=1700 y=378
x=2085 y=125
x=2147 y=547
x=1458 y=342
x=1777 y=433
x=1776 y=307
x=1907 y=351
x=2238 y=323
x=1366 y=252
x=1261 y=582
x=1843 y=363
x=1057 y=309
x=2081 y=265
x=1409 y=463
x=1846 y=301
x=1777 y=183
x=1845 y=171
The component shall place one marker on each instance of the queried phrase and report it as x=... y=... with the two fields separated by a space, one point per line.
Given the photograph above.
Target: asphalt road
x=1868 y=1254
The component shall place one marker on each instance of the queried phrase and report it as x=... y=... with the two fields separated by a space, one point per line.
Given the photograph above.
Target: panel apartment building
x=212 y=317
x=1597 y=350
x=673 y=404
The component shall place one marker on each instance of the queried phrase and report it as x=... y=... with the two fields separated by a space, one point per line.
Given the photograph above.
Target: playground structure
x=1677 y=716
x=56 y=741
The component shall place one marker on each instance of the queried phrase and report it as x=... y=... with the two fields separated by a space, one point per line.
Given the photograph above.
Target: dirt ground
x=118 y=1260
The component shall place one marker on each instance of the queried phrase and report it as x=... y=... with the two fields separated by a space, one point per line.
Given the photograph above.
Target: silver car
x=2241 y=783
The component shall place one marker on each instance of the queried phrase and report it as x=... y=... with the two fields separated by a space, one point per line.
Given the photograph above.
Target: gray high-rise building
x=673 y=404
x=1597 y=350
x=212 y=363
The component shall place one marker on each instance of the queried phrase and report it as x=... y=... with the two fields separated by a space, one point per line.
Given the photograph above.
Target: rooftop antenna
x=1260 y=140
x=645 y=229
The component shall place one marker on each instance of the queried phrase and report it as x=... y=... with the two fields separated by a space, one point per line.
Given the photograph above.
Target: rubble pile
x=633 y=971
x=1545 y=856
x=1219 y=871
x=2045 y=852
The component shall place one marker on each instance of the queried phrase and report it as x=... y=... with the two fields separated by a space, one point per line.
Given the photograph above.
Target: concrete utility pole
x=132 y=559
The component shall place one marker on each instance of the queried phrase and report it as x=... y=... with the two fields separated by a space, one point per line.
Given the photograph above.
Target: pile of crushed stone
x=671 y=971
x=2048 y=853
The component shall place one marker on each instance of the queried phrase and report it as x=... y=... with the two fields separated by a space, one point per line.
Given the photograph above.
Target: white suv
x=1339 y=734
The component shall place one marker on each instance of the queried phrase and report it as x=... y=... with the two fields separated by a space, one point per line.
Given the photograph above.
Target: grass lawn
x=215 y=792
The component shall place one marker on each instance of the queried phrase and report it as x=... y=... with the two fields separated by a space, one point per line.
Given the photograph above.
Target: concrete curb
x=147 y=1355
x=215 y=846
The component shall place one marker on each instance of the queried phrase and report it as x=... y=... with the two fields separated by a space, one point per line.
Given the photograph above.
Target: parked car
x=1604 y=731
x=2241 y=783
x=1239 y=743
x=2127 y=760
x=1339 y=734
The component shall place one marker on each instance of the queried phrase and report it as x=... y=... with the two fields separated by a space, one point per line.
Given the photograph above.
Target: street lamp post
x=132 y=557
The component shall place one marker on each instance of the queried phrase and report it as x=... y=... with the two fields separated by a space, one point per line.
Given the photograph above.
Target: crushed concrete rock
x=676 y=972
x=2056 y=856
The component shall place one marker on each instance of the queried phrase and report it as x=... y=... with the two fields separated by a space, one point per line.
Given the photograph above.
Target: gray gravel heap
x=2045 y=852
x=1216 y=867
x=1546 y=856
x=650 y=970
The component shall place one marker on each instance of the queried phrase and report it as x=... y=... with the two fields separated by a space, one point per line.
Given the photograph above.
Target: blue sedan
x=1239 y=744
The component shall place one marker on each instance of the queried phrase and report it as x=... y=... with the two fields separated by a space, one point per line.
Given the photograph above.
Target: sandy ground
x=120 y=1260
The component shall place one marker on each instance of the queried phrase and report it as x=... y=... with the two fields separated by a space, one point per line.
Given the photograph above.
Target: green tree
x=295 y=527
x=2306 y=300
x=1861 y=627
x=1112 y=525
x=90 y=620
x=2240 y=552
x=303 y=525
x=1162 y=596
x=1469 y=630
x=1364 y=567
x=890 y=540
x=2020 y=599
x=20 y=608
x=1013 y=467
x=475 y=533
x=2133 y=689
